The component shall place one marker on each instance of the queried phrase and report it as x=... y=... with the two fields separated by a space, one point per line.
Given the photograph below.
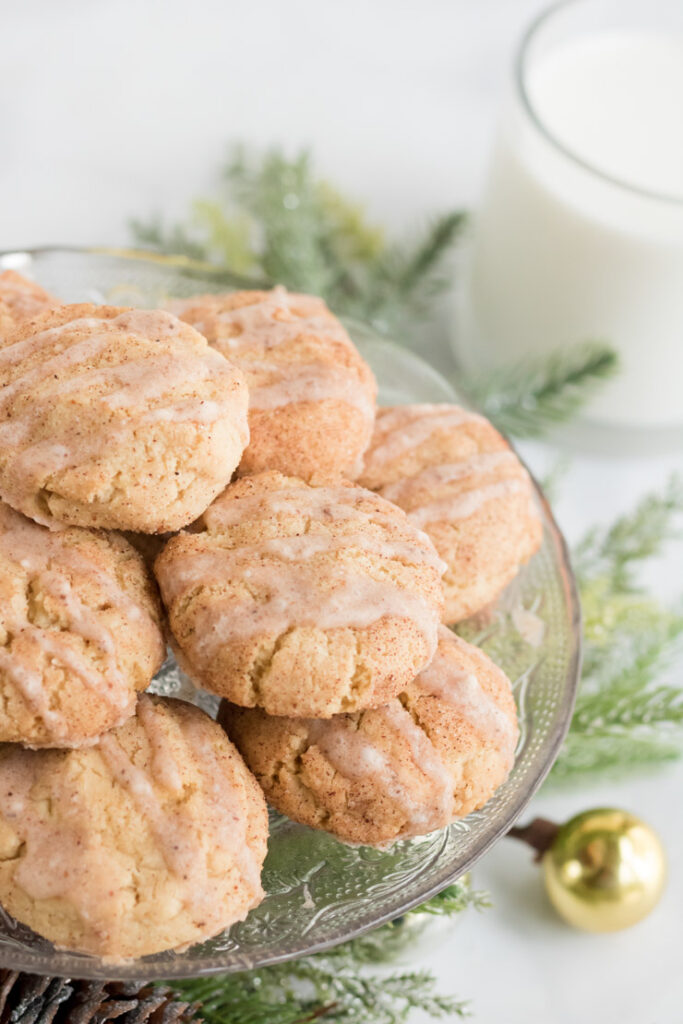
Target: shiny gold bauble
x=605 y=870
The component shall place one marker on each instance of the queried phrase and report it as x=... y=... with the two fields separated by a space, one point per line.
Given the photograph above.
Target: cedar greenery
x=629 y=712
x=338 y=985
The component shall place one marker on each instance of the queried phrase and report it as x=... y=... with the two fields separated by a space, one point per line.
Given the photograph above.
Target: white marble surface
x=109 y=110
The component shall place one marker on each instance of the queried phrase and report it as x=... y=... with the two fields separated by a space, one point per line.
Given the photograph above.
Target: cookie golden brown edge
x=150 y=840
x=116 y=418
x=433 y=754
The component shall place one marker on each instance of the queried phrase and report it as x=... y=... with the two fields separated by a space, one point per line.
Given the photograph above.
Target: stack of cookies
x=217 y=476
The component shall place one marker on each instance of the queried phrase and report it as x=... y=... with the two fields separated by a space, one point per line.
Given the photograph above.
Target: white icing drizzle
x=177 y=845
x=185 y=849
x=444 y=679
x=427 y=759
x=394 y=436
x=30 y=684
x=164 y=766
x=324 y=596
x=46 y=558
x=266 y=325
x=63 y=857
x=319 y=504
x=354 y=755
x=465 y=505
x=271 y=322
x=59 y=860
x=293 y=383
x=298 y=590
x=302 y=548
x=446 y=473
x=223 y=814
x=142 y=389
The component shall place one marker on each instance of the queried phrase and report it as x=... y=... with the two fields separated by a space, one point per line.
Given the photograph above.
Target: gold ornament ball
x=605 y=870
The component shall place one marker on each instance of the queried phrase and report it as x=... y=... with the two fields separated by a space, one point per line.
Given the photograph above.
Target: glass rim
x=520 y=78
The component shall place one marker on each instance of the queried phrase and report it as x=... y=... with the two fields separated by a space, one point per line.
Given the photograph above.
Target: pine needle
x=278 y=223
x=338 y=985
x=529 y=397
x=632 y=539
x=629 y=712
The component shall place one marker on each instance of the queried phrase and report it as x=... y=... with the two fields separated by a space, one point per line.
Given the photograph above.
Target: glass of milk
x=580 y=231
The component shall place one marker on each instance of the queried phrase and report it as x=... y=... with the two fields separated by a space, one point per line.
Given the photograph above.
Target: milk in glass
x=580 y=231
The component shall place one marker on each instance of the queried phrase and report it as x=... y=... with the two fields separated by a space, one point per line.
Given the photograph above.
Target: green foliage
x=613 y=552
x=275 y=222
x=338 y=985
x=629 y=713
x=533 y=395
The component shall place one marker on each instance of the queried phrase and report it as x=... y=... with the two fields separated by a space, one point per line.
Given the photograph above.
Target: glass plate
x=320 y=891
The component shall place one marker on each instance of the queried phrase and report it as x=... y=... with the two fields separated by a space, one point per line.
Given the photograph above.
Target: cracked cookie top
x=311 y=395
x=116 y=418
x=459 y=481
x=150 y=840
x=80 y=632
x=302 y=600
x=435 y=753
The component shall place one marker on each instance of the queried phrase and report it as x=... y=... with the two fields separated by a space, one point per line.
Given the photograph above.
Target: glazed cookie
x=302 y=600
x=311 y=395
x=151 y=840
x=433 y=755
x=116 y=418
x=460 y=481
x=21 y=299
x=80 y=632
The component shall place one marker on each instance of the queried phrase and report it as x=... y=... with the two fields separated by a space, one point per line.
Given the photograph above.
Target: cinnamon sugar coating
x=302 y=600
x=311 y=395
x=151 y=840
x=123 y=419
x=435 y=753
x=459 y=481
x=80 y=632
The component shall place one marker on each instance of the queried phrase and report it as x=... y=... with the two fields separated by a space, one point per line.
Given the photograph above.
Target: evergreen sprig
x=274 y=221
x=629 y=713
x=338 y=985
x=533 y=395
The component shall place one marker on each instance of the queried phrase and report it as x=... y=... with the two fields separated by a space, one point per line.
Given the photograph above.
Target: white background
x=111 y=110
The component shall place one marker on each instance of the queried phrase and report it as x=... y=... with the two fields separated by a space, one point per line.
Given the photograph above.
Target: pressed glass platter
x=320 y=891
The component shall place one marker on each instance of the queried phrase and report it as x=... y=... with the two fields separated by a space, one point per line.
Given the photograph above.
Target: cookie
x=80 y=632
x=311 y=395
x=151 y=840
x=123 y=419
x=434 y=754
x=461 y=483
x=302 y=600
x=21 y=299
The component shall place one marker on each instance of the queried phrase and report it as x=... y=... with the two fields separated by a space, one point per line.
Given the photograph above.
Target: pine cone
x=32 y=999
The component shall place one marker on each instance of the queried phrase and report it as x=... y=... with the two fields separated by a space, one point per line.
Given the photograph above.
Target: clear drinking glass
x=579 y=234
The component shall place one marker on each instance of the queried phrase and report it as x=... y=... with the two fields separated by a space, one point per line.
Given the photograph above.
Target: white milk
x=580 y=231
